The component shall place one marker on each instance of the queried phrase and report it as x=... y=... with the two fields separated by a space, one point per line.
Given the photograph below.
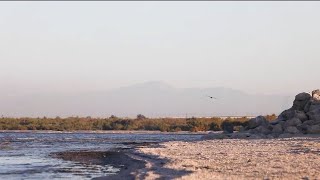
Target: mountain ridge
x=153 y=99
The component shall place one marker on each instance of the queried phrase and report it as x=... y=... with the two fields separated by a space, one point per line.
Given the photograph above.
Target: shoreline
x=278 y=158
x=127 y=160
x=103 y=132
x=117 y=159
x=286 y=158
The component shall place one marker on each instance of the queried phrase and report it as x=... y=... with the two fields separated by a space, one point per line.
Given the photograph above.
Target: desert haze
x=153 y=99
x=128 y=90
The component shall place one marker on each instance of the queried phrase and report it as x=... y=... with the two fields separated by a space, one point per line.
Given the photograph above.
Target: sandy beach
x=291 y=158
x=282 y=158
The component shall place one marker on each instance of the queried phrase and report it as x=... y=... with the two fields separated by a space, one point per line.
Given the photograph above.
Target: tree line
x=115 y=123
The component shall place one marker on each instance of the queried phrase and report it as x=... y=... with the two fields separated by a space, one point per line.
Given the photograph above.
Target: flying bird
x=211 y=97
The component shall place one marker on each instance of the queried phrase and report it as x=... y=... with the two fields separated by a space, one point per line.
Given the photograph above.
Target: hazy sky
x=258 y=47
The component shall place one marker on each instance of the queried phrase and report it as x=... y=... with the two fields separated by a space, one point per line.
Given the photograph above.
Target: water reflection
x=26 y=155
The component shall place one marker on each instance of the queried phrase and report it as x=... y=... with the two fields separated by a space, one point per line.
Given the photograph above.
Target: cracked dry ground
x=294 y=158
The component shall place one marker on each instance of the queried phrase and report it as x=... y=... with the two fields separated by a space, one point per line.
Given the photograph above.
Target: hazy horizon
x=153 y=99
x=260 y=48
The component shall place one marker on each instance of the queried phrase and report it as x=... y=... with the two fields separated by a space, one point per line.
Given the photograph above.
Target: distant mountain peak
x=152 y=98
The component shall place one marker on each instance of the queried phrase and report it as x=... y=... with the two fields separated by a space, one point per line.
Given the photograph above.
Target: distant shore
x=103 y=132
x=140 y=123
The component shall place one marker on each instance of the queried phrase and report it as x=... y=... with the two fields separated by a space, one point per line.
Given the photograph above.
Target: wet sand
x=118 y=159
x=290 y=158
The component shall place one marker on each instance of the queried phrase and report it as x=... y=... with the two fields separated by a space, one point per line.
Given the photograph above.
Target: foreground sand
x=292 y=158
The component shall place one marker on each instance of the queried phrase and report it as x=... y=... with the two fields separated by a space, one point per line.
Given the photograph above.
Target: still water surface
x=26 y=155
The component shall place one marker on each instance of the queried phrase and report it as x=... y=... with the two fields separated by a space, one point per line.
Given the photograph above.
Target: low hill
x=153 y=99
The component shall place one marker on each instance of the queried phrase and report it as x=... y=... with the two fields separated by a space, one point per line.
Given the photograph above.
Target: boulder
x=287 y=114
x=227 y=127
x=307 y=106
x=300 y=101
x=313 y=105
x=262 y=130
x=277 y=129
x=303 y=128
x=242 y=129
x=291 y=130
x=292 y=122
x=258 y=121
x=303 y=96
x=301 y=115
x=314 y=129
x=309 y=122
x=314 y=115
x=316 y=95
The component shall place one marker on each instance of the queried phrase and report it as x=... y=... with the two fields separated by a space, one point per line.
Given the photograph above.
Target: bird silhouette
x=211 y=97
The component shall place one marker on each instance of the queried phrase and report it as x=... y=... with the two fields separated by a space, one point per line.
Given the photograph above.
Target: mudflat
x=289 y=158
x=117 y=159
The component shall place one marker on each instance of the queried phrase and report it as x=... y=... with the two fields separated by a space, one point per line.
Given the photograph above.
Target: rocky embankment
x=303 y=118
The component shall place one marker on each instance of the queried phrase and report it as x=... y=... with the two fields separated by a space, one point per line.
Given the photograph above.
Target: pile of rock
x=302 y=118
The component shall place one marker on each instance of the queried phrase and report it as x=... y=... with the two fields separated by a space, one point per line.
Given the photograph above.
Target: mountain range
x=152 y=99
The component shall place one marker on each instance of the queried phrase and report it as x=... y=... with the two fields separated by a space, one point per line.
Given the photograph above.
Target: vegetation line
x=114 y=123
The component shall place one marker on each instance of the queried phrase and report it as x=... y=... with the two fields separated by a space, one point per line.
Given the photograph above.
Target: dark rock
x=314 y=115
x=292 y=130
x=258 y=121
x=292 y=122
x=262 y=130
x=314 y=105
x=277 y=129
x=309 y=122
x=300 y=101
x=242 y=129
x=287 y=114
x=314 y=129
x=303 y=96
x=311 y=105
x=227 y=127
x=303 y=128
x=276 y=121
x=306 y=125
x=291 y=113
x=307 y=106
x=301 y=115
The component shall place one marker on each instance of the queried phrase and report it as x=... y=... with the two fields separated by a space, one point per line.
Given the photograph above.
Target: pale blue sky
x=257 y=47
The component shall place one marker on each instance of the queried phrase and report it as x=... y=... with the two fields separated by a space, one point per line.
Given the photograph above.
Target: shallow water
x=26 y=155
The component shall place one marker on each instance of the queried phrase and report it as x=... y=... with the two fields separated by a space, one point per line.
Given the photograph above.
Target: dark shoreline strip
x=116 y=158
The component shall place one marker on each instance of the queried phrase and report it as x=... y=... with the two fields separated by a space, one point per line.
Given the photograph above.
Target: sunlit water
x=26 y=155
